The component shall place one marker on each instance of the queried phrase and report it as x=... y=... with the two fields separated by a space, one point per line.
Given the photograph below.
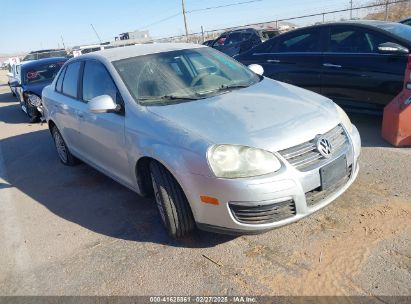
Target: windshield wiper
x=226 y=87
x=169 y=97
x=234 y=86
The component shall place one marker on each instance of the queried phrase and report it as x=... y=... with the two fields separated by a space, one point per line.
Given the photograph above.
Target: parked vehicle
x=358 y=64
x=41 y=54
x=208 y=42
x=32 y=77
x=406 y=21
x=236 y=42
x=221 y=147
x=13 y=77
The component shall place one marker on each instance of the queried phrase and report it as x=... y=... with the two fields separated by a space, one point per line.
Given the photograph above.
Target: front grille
x=306 y=155
x=263 y=214
x=315 y=196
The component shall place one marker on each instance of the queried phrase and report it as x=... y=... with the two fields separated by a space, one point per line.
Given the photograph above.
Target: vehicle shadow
x=13 y=114
x=7 y=97
x=369 y=127
x=86 y=197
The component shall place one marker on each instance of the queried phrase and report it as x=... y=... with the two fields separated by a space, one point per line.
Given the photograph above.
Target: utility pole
x=386 y=10
x=202 y=34
x=185 y=18
x=350 y=9
x=96 y=33
x=62 y=40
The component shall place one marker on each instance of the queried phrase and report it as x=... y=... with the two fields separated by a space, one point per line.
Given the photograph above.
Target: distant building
x=136 y=36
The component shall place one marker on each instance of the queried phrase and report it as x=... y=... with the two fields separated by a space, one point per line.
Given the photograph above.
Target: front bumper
x=288 y=187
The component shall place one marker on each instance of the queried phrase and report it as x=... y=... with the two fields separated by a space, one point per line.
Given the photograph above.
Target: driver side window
x=97 y=81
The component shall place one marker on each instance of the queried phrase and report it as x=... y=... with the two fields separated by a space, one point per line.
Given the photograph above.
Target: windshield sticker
x=32 y=75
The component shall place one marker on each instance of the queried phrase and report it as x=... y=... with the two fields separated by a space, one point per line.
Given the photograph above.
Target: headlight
x=34 y=100
x=344 y=119
x=231 y=161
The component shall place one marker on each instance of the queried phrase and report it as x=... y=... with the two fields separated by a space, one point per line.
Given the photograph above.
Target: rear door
x=102 y=137
x=295 y=58
x=68 y=103
x=355 y=74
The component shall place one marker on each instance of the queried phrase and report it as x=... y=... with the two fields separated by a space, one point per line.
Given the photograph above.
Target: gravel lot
x=73 y=231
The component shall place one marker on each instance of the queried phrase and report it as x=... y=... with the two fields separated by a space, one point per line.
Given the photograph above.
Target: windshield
x=41 y=72
x=401 y=30
x=42 y=55
x=184 y=74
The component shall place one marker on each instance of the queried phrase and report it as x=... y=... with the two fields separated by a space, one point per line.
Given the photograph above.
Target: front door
x=355 y=74
x=102 y=135
x=295 y=58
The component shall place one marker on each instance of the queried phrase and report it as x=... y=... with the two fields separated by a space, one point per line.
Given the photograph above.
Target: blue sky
x=31 y=25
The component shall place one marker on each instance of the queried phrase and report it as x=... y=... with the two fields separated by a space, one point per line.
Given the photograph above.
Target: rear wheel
x=171 y=202
x=63 y=152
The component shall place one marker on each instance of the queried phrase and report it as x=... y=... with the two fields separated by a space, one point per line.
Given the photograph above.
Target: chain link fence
x=393 y=10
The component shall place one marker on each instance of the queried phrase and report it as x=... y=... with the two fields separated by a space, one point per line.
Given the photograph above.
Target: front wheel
x=63 y=152
x=171 y=202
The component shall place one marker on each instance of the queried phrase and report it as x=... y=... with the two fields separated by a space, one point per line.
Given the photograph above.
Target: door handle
x=273 y=60
x=330 y=65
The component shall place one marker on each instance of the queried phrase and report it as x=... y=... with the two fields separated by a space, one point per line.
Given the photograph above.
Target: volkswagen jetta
x=219 y=146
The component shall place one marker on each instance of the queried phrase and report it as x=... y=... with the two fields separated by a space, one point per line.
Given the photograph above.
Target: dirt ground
x=73 y=231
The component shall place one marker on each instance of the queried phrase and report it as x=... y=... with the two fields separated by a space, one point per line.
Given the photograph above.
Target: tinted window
x=97 y=81
x=60 y=80
x=349 y=40
x=300 y=42
x=71 y=79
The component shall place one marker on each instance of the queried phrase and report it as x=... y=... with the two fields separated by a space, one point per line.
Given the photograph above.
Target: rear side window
x=60 y=80
x=97 y=81
x=301 y=42
x=70 y=81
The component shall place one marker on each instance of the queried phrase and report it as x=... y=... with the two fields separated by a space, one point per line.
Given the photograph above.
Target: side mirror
x=15 y=84
x=256 y=68
x=392 y=48
x=103 y=104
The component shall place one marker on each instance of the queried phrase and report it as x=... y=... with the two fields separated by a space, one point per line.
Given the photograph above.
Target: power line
x=160 y=21
x=198 y=10
x=221 y=6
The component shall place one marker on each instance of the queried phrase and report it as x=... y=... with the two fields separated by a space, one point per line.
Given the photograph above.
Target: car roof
x=369 y=23
x=33 y=63
x=125 y=52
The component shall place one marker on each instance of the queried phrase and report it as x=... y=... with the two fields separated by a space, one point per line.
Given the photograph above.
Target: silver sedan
x=219 y=146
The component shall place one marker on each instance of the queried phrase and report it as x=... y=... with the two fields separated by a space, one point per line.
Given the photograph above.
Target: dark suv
x=360 y=65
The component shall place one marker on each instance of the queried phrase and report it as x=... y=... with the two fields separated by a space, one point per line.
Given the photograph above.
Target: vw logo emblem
x=324 y=147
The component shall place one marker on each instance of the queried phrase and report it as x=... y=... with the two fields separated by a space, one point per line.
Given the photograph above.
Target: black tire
x=63 y=152
x=171 y=202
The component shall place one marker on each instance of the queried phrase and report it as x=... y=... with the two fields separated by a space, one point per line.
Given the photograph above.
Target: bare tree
x=390 y=11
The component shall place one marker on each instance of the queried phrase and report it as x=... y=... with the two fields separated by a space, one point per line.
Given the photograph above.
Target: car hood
x=36 y=88
x=269 y=115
